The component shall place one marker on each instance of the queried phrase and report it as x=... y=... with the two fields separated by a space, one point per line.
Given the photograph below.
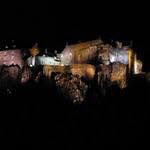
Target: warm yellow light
x=130 y=59
x=137 y=65
x=34 y=51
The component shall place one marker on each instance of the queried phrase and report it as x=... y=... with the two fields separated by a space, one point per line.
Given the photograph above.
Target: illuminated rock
x=83 y=70
x=118 y=74
x=110 y=74
x=71 y=86
x=26 y=74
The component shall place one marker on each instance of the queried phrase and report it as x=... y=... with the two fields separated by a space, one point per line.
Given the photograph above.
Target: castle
x=88 y=59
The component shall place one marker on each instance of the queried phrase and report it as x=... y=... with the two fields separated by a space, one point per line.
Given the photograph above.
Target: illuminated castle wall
x=11 y=57
x=81 y=52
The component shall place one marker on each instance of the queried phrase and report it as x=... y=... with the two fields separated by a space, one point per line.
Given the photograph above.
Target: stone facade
x=11 y=57
x=82 y=52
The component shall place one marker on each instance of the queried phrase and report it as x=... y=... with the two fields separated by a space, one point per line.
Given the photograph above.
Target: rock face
x=83 y=70
x=26 y=74
x=9 y=76
x=114 y=73
x=71 y=86
x=118 y=74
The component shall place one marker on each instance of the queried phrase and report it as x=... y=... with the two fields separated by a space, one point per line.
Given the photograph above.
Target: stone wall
x=11 y=57
x=82 y=52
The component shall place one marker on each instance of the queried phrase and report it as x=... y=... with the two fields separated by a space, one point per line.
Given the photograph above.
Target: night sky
x=52 y=25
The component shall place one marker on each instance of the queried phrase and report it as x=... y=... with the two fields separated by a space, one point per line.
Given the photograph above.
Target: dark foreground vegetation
x=37 y=113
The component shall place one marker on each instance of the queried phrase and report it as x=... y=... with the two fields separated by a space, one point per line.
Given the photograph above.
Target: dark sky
x=74 y=20
x=55 y=24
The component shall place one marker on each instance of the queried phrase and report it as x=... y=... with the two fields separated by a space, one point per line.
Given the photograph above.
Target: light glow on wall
x=119 y=55
x=9 y=57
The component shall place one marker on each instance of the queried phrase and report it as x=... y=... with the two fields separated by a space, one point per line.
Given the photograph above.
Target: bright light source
x=137 y=65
